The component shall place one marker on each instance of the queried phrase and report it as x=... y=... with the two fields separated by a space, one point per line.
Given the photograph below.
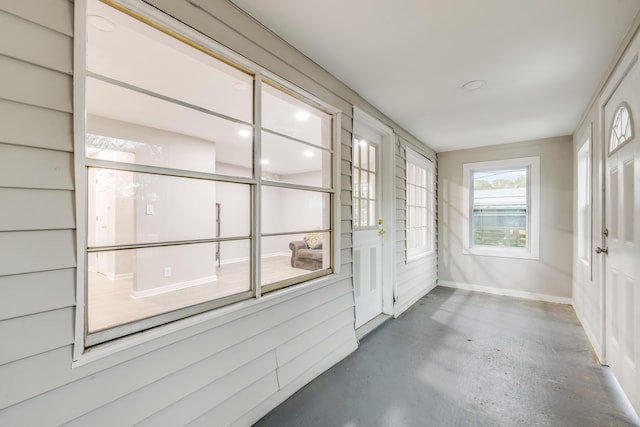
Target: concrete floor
x=459 y=358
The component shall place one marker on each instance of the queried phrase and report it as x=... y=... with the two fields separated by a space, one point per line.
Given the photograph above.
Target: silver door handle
x=604 y=250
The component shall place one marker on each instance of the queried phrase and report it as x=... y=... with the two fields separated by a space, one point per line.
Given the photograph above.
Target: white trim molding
x=173 y=287
x=506 y=292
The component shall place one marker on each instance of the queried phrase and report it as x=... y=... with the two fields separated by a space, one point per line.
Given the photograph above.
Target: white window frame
x=584 y=201
x=412 y=254
x=532 y=249
x=82 y=353
x=623 y=138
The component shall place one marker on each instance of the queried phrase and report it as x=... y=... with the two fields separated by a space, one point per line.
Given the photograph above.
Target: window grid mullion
x=256 y=209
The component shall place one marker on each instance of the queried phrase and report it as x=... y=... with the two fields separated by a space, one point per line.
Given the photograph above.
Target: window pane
x=419 y=205
x=173 y=136
x=356 y=209
x=233 y=209
x=142 y=56
x=289 y=210
x=288 y=115
x=135 y=284
x=133 y=208
x=293 y=255
x=500 y=208
x=372 y=157
x=583 y=202
x=286 y=160
x=364 y=155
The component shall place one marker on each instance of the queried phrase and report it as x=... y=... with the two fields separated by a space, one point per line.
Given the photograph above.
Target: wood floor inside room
x=111 y=302
x=460 y=358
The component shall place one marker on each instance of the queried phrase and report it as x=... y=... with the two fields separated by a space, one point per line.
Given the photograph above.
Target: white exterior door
x=367 y=240
x=622 y=218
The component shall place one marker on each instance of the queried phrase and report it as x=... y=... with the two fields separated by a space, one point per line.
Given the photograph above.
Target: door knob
x=604 y=250
x=380 y=232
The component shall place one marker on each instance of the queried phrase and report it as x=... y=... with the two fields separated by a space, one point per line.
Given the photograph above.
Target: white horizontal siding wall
x=416 y=278
x=37 y=245
x=228 y=370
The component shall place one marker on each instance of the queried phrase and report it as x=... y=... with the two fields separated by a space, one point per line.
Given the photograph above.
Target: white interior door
x=623 y=224
x=367 y=240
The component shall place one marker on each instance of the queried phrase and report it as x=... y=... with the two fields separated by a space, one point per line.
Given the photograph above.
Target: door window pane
x=364 y=184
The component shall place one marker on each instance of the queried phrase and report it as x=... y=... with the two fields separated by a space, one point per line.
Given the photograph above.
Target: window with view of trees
x=500 y=207
x=502 y=202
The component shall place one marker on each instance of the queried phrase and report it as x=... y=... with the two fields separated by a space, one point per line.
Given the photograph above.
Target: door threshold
x=371 y=325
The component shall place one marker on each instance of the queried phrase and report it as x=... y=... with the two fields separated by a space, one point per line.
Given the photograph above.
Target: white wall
x=549 y=277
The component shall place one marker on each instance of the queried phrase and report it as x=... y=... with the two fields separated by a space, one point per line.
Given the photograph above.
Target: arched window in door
x=621 y=128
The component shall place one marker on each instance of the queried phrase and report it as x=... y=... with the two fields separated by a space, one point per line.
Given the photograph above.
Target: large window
x=420 y=207
x=502 y=208
x=206 y=183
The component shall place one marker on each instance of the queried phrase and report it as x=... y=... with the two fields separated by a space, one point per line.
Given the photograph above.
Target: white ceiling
x=542 y=59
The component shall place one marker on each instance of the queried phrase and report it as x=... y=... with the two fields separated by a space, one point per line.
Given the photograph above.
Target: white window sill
x=520 y=253
x=416 y=257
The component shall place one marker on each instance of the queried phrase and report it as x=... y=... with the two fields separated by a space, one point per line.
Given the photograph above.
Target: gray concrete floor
x=459 y=358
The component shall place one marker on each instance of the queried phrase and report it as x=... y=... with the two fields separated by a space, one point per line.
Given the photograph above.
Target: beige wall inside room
x=547 y=278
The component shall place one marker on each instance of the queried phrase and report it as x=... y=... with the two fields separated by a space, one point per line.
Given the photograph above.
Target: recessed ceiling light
x=303 y=115
x=101 y=23
x=308 y=153
x=473 y=85
x=264 y=161
x=244 y=133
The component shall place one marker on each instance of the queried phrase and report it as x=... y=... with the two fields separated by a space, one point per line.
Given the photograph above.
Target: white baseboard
x=173 y=287
x=506 y=292
x=110 y=276
x=234 y=260
x=121 y=276
x=275 y=254
x=246 y=259
x=595 y=344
